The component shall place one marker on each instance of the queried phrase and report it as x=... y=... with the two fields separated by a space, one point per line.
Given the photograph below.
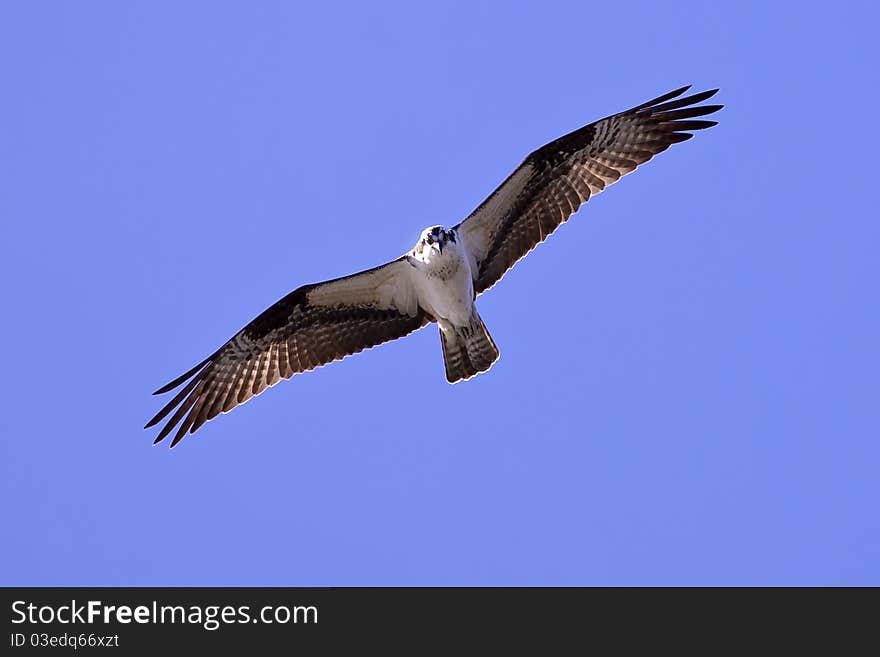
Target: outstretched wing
x=312 y=326
x=555 y=180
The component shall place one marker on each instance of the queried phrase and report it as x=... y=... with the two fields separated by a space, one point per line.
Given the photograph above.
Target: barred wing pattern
x=555 y=180
x=312 y=326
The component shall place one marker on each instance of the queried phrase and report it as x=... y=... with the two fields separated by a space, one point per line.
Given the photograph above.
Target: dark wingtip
x=678 y=137
x=661 y=99
x=156 y=419
x=700 y=97
x=161 y=437
x=162 y=434
x=183 y=377
x=693 y=125
x=171 y=386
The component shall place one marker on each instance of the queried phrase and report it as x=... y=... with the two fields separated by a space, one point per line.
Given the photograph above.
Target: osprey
x=441 y=277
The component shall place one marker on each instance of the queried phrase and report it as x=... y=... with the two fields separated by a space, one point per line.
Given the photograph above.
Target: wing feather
x=555 y=180
x=312 y=326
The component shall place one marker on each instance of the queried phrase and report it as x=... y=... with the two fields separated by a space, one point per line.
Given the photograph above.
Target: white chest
x=445 y=286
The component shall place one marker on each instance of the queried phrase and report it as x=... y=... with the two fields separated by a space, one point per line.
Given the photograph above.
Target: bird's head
x=433 y=241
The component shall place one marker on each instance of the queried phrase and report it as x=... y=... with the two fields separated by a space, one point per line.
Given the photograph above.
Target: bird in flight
x=440 y=278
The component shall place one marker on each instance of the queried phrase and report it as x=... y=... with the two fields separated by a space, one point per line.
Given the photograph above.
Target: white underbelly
x=451 y=298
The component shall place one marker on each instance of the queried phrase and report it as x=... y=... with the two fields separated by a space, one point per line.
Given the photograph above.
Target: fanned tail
x=467 y=350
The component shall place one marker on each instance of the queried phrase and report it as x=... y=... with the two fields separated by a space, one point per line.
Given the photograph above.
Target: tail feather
x=467 y=350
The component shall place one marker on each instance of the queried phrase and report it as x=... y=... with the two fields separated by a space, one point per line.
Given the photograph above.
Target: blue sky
x=688 y=386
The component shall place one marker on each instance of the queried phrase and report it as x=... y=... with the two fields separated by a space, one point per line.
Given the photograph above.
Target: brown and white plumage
x=555 y=180
x=439 y=279
x=312 y=326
